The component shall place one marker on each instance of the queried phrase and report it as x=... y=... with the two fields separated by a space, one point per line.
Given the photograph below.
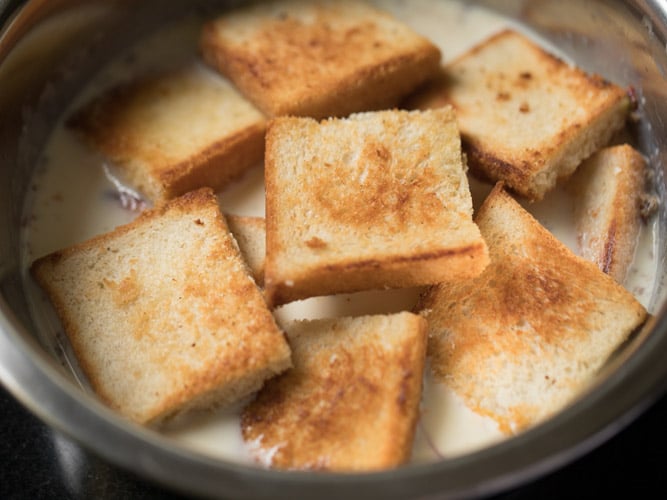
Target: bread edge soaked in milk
x=610 y=187
x=347 y=87
x=522 y=340
x=104 y=122
x=351 y=401
x=194 y=387
x=522 y=169
x=289 y=278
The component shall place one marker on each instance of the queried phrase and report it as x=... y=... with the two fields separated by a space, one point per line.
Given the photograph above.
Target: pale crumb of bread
x=527 y=336
x=526 y=117
x=263 y=455
x=409 y=223
x=250 y=234
x=322 y=58
x=609 y=189
x=161 y=313
x=351 y=401
x=173 y=132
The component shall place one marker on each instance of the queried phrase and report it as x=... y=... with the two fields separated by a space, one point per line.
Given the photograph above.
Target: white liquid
x=72 y=200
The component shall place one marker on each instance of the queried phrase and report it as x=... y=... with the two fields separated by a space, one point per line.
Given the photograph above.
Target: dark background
x=36 y=463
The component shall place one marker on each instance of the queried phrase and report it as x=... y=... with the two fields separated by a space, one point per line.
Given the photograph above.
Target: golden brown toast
x=610 y=186
x=375 y=200
x=174 y=132
x=162 y=314
x=523 y=339
x=318 y=58
x=350 y=403
x=526 y=117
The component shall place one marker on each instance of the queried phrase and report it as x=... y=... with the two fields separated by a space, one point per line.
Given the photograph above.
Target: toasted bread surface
x=379 y=199
x=524 y=338
x=174 y=132
x=526 y=117
x=322 y=58
x=351 y=402
x=250 y=234
x=609 y=187
x=162 y=314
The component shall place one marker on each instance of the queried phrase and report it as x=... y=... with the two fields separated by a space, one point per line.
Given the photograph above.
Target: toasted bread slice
x=174 y=132
x=250 y=234
x=351 y=402
x=162 y=314
x=319 y=59
x=610 y=186
x=376 y=200
x=526 y=117
x=523 y=339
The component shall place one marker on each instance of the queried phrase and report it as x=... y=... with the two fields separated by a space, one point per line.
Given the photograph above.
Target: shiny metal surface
x=48 y=47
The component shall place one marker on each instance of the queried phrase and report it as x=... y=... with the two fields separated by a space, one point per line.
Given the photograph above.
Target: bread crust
x=216 y=166
x=384 y=272
x=318 y=59
x=526 y=117
x=162 y=314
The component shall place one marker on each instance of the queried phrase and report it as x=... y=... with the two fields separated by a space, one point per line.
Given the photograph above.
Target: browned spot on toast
x=386 y=196
x=125 y=291
x=316 y=243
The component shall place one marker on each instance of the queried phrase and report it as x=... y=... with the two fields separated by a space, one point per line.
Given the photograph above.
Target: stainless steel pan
x=47 y=48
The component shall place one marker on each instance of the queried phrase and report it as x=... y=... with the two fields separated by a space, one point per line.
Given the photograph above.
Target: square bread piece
x=170 y=133
x=351 y=402
x=610 y=187
x=523 y=339
x=376 y=200
x=318 y=58
x=526 y=117
x=162 y=314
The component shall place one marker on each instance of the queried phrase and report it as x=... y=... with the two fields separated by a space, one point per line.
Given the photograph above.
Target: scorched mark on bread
x=315 y=44
x=387 y=195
